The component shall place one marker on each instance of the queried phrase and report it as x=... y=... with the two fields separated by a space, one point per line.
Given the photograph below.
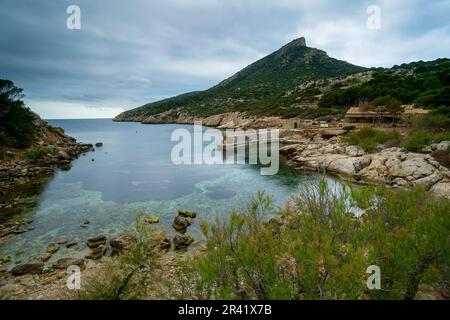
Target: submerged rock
x=52 y=248
x=71 y=244
x=96 y=241
x=45 y=257
x=27 y=268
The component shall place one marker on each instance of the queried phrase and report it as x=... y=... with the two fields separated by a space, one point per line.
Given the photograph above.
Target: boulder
x=187 y=214
x=165 y=244
x=97 y=253
x=96 y=241
x=99 y=144
x=71 y=244
x=52 y=248
x=121 y=243
x=45 y=257
x=442 y=189
x=181 y=223
x=182 y=242
x=64 y=263
x=28 y=268
x=62 y=155
x=152 y=220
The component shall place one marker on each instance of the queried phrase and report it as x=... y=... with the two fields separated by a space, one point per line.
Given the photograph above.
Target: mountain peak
x=300 y=42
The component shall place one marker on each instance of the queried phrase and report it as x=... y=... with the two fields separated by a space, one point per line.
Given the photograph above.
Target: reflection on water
x=132 y=172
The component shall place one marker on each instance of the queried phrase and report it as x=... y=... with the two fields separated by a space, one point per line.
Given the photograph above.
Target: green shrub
x=420 y=139
x=37 y=154
x=318 y=248
x=17 y=122
x=368 y=138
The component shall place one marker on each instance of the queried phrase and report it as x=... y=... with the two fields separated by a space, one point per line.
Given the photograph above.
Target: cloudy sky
x=128 y=53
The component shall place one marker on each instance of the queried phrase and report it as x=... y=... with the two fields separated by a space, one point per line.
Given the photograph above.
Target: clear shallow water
x=132 y=172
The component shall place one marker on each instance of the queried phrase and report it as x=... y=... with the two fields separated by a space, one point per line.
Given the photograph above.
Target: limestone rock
x=96 y=241
x=121 y=243
x=28 y=268
x=64 y=263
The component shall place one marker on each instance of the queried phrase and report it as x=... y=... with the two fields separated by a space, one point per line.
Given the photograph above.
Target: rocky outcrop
x=28 y=268
x=229 y=120
x=17 y=171
x=392 y=166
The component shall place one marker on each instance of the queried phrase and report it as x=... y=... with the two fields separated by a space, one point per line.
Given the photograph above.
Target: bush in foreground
x=322 y=250
x=318 y=246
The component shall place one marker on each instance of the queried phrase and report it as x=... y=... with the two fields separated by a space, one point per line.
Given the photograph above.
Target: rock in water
x=28 y=268
x=52 y=248
x=64 y=263
x=181 y=223
x=152 y=219
x=187 y=214
x=96 y=241
x=99 y=144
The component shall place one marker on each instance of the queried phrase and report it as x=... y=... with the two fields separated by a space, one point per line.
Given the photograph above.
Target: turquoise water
x=133 y=171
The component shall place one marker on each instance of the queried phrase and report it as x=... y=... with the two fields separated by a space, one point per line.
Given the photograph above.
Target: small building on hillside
x=358 y=114
x=293 y=123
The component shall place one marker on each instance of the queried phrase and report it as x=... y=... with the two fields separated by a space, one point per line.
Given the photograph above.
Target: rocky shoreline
x=17 y=172
x=307 y=150
x=394 y=167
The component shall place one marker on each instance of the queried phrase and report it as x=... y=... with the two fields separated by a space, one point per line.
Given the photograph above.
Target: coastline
x=309 y=151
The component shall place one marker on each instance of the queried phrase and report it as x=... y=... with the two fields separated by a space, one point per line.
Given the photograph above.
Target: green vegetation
x=420 y=139
x=319 y=250
x=317 y=247
x=17 y=126
x=37 y=154
x=368 y=139
x=423 y=83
